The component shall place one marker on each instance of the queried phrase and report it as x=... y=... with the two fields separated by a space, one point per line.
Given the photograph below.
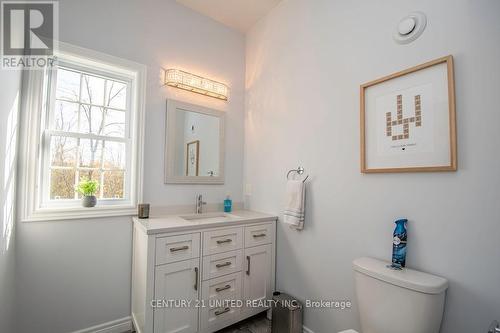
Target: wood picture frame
x=193 y=153
x=436 y=96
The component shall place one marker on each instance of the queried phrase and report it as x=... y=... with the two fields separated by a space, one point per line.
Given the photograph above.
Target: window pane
x=114 y=155
x=93 y=174
x=113 y=184
x=63 y=151
x=68 y=85
x=90 y=153
x=116 y=95
x=87 y=102
x=92 y=90
x=91 y=120
x=114 y=123
x=62 y=184
x=66 y=116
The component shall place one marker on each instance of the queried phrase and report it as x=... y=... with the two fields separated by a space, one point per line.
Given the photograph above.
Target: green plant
x=88 y=188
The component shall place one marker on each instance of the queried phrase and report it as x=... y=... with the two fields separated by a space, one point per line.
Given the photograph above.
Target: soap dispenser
x=228 y=204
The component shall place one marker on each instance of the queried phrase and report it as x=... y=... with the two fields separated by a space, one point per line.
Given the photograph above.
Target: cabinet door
x=257 y=277
x=177 y=281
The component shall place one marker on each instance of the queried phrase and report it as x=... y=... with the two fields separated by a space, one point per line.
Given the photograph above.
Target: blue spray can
x=399 y=244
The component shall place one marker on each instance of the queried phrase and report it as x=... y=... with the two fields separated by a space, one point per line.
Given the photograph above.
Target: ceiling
x=237 y=14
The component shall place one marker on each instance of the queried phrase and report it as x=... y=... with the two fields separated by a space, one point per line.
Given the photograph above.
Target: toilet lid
x=405 y=278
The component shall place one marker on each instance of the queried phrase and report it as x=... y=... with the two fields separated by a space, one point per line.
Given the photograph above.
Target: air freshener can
x=399 y=244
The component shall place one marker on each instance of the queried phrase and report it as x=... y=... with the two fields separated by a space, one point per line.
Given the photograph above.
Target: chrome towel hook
x=300 y=170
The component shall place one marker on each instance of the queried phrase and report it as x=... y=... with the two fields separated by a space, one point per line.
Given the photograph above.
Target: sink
x=207 y=217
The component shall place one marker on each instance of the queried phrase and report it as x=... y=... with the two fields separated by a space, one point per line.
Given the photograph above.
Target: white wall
x=10 y=84
x=75 y=274
x=305 y=63
x=206 y=131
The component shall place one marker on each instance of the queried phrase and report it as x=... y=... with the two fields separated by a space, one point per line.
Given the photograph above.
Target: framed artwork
x=192 y=158
x=408 y=121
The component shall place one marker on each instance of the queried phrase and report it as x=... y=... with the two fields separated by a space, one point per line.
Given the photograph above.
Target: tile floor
x=255 y=324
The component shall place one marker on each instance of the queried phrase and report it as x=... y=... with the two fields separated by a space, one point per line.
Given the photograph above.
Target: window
x=87 y=112
x=87 y=134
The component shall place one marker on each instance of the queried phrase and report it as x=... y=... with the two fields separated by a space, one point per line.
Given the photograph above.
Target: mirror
x=194 y=144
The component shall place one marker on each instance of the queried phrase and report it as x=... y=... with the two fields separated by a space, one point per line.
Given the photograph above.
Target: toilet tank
x=396 y=301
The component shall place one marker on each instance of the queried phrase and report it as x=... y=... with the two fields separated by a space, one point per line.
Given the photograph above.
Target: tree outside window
x=88 y=128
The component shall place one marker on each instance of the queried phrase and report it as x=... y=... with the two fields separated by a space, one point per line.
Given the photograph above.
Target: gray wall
x=305 y=63
x=10 y=84
x=75 y=274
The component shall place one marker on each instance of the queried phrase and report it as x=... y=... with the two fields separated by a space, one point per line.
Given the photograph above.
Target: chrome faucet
x=199 y=204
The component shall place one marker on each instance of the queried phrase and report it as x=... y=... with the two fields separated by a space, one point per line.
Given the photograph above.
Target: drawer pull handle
x=259 y=235
x=180 y=248
x=227 y=263
x=226 y=287
x=196 y=278
x=229 y=240
x=248 y=267
x=219 y=312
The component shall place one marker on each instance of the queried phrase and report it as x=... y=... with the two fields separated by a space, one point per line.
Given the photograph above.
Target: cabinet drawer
x=224 y=240
x=219 y=296
x=227 y=287
x=177 y=248
x=221 y=264
x=259 y=235
x=213 y=319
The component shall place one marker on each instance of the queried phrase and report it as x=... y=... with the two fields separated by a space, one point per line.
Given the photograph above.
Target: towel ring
x=300 y=170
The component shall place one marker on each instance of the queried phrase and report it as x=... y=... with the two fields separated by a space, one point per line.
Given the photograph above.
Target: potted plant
x=88 y=189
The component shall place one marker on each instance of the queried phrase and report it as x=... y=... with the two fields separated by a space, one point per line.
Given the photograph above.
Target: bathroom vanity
x=185 y=265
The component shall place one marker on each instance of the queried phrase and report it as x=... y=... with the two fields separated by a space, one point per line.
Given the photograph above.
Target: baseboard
x=135 y=325
x=115 y=326
x=306 y=330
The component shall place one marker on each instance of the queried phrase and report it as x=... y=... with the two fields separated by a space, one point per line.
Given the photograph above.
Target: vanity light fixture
x=195 y=83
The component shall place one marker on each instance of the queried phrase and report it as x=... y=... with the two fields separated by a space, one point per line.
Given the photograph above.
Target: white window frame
x=35 y=138
x=45 y=201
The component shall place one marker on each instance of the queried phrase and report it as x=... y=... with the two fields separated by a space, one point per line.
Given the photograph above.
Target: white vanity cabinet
x=183 y=271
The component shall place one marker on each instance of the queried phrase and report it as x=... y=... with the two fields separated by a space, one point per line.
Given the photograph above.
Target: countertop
x=175 y=223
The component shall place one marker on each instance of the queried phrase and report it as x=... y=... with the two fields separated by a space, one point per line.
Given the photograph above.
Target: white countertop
x=174 y=223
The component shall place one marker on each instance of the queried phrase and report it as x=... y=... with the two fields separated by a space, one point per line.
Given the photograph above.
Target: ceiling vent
x=410 y=28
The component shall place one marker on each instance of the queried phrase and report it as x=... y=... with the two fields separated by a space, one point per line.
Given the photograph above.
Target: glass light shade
x=201 y=85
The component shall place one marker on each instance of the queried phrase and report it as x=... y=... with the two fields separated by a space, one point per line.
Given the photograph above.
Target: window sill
x=79 y=213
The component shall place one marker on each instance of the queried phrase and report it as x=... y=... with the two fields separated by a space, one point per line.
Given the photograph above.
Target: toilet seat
x=349 y=331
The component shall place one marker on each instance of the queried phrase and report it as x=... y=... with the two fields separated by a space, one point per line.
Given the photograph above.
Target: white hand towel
x=295 y=204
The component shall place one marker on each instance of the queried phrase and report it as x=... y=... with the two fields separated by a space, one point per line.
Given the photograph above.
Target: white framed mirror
x=194 y=144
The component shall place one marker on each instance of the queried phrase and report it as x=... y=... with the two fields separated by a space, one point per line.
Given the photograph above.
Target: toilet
x=395 y=301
